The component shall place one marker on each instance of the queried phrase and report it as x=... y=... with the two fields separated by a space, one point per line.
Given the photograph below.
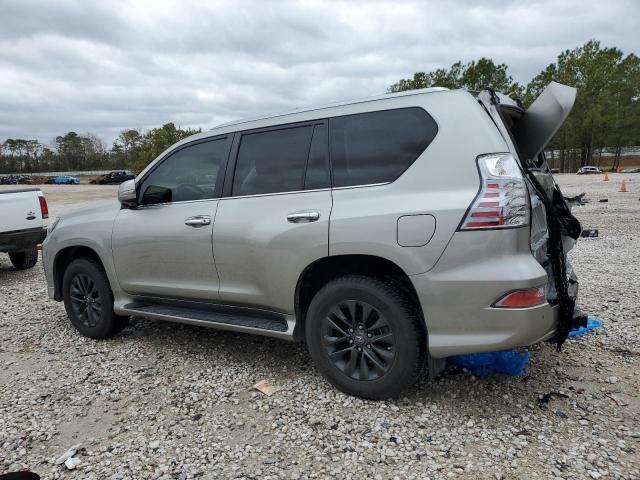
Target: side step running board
x=247 y=320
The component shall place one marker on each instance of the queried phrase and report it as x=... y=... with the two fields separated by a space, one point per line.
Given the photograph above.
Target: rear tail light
x=522 y=298
x=44 y=209
x=503 y=198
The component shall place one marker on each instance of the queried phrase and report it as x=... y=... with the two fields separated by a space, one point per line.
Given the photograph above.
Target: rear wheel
x=88 y=299
x=25 y=259
x=365 y=337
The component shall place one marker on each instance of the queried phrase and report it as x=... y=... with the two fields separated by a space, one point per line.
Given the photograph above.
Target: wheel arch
x=323 y=270
x=62 y=260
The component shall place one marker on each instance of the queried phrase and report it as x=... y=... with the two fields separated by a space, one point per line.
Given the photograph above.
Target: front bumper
x=47 y=264
x=22 y=239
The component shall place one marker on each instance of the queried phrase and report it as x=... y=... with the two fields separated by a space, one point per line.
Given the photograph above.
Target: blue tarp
x=592 y=324
x=483 y=364
x=509 y=362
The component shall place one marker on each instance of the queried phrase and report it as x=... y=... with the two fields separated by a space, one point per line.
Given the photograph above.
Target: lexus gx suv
x=382 y=232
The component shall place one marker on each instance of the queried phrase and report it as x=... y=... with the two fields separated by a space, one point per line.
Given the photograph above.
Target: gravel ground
x=175 y=402
x=65 y=197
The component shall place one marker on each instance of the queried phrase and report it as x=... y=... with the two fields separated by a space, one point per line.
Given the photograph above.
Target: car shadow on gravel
x=285 y=363
x=6 y=268
x=201 y=343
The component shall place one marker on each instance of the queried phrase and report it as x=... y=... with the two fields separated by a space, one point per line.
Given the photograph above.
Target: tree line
x=605 y=117
x=132 y=150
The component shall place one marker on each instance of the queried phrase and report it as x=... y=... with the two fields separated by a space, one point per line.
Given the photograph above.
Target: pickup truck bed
x=23 y=225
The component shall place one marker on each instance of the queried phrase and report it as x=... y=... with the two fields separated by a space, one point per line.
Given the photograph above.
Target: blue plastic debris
x=483 y=364
x=508 y=361
x=592 y=324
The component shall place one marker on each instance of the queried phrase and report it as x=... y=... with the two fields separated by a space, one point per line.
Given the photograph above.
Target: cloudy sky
x=100 y=67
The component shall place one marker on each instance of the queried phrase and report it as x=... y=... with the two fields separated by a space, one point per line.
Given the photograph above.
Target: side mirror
x=127 y=195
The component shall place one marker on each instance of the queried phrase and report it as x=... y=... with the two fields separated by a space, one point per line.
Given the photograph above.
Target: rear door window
x=377 y=147
x=272 y=161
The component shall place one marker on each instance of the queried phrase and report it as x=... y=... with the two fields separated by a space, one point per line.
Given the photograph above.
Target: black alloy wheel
x=358 y=339
x=85 y=300
x=366 y=336
x=88 y=299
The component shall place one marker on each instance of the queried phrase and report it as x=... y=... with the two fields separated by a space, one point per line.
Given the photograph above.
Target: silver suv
x=382 y=232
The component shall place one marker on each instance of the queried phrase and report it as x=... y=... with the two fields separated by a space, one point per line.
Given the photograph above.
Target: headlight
x=52 y=225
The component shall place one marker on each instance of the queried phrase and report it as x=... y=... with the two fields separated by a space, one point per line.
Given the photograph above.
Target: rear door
x=274 y=218
x=20 y=210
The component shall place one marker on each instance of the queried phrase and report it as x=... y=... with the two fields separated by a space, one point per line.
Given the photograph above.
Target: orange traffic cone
x=606 y=177
x=623 y=186
x=618 y=170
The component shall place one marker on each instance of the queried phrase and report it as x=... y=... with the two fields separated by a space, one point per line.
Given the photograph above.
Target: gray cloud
x=100 y=67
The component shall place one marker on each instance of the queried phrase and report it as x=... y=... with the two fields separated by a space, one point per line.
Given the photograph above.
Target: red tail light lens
x=503 y=198
x=522 y=298
x=44 y=208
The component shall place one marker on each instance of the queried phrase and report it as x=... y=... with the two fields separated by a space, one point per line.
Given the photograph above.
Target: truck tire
x=366 y=337
x=88 y=299
x=25 y=259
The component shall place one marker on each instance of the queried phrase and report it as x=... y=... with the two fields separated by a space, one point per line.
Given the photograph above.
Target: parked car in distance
x=366 y=229
x=23 y=225
x=14 y=179
x=630 y=170
x=588 y=170
x=113 y=178
x=64 y=180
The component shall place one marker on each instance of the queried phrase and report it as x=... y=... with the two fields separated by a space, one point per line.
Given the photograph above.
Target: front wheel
x=366 y=337
x=88 y=299
x=24 y=260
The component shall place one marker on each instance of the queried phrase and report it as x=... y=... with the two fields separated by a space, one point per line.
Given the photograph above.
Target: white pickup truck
x=23 y=225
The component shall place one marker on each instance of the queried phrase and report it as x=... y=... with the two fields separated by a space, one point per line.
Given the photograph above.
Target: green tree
x=154 y=142
x=475 y=75
x=605 y=113
x=125 y=146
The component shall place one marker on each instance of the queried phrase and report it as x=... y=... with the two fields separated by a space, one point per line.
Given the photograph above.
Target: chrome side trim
x=275 y=193
x=141 y=207
x=362 y=186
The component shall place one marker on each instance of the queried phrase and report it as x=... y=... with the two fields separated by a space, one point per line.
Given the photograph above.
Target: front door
x=163 y=247
x=274 y=221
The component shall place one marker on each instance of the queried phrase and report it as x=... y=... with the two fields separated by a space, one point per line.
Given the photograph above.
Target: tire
x=88 y=300
x=389 y=348
x=25 y=259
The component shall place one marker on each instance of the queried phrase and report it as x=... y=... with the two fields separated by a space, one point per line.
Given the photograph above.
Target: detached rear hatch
x=554 y=230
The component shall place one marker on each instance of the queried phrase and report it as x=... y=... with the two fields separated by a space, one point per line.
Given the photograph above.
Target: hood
x=99 y=208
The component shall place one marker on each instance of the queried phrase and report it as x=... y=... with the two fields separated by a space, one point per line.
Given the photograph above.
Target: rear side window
x=377 y=147
x=272 y=161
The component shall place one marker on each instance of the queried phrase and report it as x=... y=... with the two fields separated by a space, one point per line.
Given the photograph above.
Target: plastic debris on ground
x=589 y=233
x=68 y=454
x=266 y=388
x=592 y=324
x=508 y=362
x=72 y=462
x=483 y=364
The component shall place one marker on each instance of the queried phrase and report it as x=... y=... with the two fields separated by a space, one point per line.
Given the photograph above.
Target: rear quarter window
x=377 y=147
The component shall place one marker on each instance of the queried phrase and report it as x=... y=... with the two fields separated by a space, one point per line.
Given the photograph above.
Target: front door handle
x=303 y=217
x=198 y=221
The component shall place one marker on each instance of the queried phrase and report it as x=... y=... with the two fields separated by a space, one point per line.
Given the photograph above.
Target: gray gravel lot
x=175 y=402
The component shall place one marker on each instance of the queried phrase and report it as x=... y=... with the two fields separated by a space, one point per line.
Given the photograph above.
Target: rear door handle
x=198 y=221
x=303 y=217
